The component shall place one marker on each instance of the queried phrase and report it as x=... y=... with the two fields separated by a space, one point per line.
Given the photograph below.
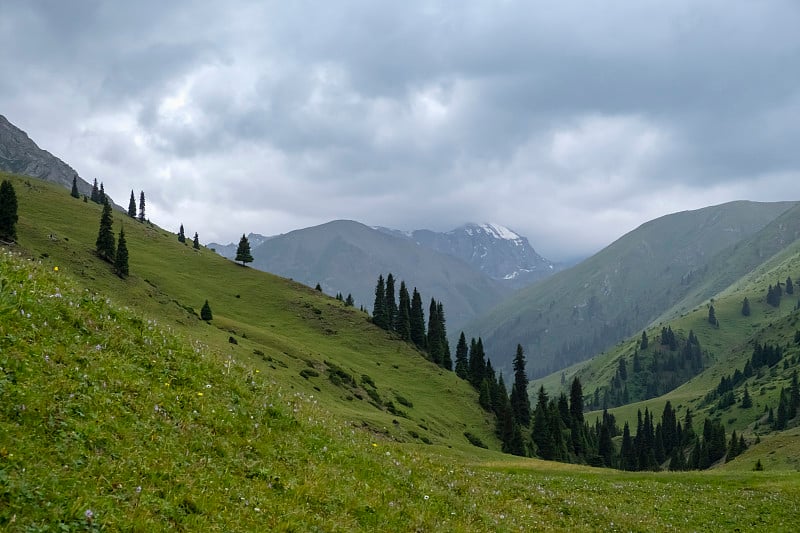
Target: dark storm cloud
x=550 y=118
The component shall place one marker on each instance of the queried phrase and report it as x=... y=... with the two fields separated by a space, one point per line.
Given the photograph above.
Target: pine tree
x=644 y=342
x=102 y=195
x=141 y=207
x=132 y=206
x=417 y=321
x=462 y=361
x=712 y=317
x=205 y=312
x=477 y=363
x=196 y=242
x=121 y=257
x=95 y=196
x=627 y=451
x=243 y=251
x=520 y=404
x=391 y=304
x=447 y=361
x=789 y=286
x=745 y=307
x=8 y=212
x=404 y=314
x=105 y=245
x=74 y=192
x=435 y=348
x=318 y=287
x=379 y=317
x=181 y=235
x=349 y=302
x=747 y=402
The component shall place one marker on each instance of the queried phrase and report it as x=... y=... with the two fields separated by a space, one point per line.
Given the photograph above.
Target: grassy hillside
x=728 y=347
x=282 y=327
x=582 y=311
x=120 y=410
x=110 y=421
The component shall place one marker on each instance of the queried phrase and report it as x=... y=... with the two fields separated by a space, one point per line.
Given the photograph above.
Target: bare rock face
x=20 y=155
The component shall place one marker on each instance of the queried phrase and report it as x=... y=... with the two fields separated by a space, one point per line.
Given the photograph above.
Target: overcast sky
x=569 y=122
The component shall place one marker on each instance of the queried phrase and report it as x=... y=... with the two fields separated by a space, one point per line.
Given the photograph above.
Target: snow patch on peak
x=500 y=232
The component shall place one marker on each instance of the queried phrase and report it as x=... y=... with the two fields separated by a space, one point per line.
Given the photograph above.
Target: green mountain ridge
x=579 y=312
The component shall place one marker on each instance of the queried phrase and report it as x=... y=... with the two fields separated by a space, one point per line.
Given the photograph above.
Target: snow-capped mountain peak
x=499 y=232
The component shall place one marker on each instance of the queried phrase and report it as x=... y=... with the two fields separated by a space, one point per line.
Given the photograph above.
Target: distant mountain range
x=469 y=269
x=20 y=155
x=495 y=250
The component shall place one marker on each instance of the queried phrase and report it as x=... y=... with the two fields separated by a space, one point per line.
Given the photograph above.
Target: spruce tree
x=74 y=192
x=243 y=251
x=205 y=312
x=520 y=404
x=379 y=317
x=403 y=326
x=447 y=361
x=391 y=304
x=102 y=195
x=712 y=317
x=417 y=321
x=477 y=363
x=181 y=235
x=435 y=348
x=462 y=353
x=95 y=196
x=8 y=212
x=105 y=245
x=121 y=256
x=196 y=242
x=747 y=402
x=789 y=286
x=132 y=206
x=644 y=342
x=349 y=302
x=745 y=307
x=141 y=207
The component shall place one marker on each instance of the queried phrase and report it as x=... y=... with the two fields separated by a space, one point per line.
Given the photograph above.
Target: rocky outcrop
x=20 y=155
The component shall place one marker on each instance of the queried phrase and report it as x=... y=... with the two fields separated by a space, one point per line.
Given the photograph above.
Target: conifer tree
x=477 y=363
x=747 y=402
x=435 y=348
x=181 y=235
x=105 y=245
x=745 y=307
x=417 y=321
x=644 y=342
x=404 y=314
x=789 y=286
x=8 y=212
x=102 y=198
x=462 y=354
x=447 y=361
x=627 y=451
x=196 y=242
x=121 y=256
x=541 y=433
x=74 y=192
x=712 y=317
x=379 y=317
x=349 y=302
x=132 y=206
x=391 y=304
x=95 y=196
x=205 y=312
x=520 y=404
x=141 y=207
x=243 y=251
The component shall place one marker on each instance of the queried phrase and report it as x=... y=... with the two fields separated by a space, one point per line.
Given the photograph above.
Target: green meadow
x=121 y=410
